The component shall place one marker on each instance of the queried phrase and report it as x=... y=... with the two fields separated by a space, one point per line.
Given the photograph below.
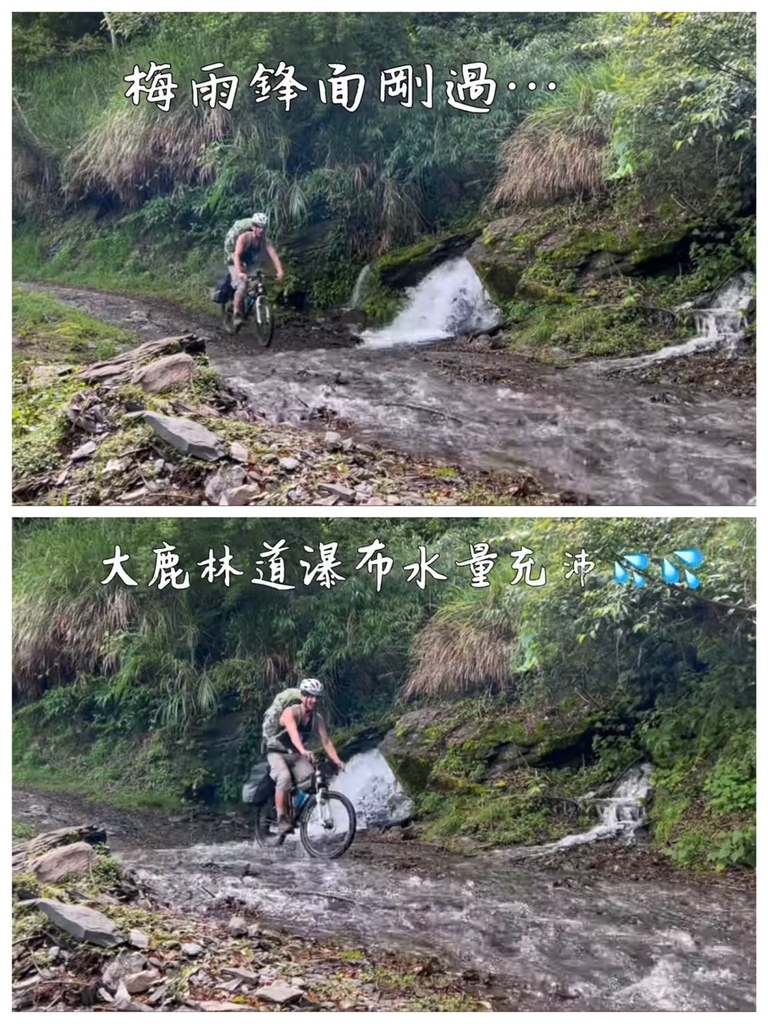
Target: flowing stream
x=596 y=942
x=580 y=429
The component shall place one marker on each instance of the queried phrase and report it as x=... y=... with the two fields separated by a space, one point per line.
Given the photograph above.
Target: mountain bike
x=326 y=820
x=255 y=307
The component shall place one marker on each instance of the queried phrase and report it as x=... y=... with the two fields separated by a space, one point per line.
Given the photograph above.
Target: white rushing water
x=720 y=327
x=449 y=301
x=358 y=290
x=621 y=815
x=373 y=789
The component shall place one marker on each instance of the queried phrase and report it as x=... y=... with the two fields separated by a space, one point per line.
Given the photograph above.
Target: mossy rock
x=499 y=278
x=358 y=741
x=404 y=268
x=412 y=771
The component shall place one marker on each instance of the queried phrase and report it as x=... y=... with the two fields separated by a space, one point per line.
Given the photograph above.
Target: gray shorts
x=284 y=768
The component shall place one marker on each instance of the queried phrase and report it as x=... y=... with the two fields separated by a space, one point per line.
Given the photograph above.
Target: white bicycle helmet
x=311 y=687
x=260 y=220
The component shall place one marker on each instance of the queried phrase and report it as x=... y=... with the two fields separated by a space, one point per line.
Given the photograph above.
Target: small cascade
x=720 y=327
x=450 y=301
x=621 y=815
x=374 y=791
x=359 y=290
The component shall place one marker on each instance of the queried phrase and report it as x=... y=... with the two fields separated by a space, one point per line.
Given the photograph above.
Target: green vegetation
x=20 y=830
x=525 y=697
x=650 y=132
x=46 y=331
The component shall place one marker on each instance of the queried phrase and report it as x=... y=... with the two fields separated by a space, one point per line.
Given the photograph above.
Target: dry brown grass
x=53 y=644
x=543 y=165
x=461 y=651
x=136 y=153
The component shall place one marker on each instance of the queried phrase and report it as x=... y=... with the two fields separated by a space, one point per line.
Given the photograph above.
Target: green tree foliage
x=678 y=665
x=652 y=107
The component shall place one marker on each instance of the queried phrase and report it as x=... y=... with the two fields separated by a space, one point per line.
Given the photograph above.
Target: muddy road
x=657 y=437
x=562 y=939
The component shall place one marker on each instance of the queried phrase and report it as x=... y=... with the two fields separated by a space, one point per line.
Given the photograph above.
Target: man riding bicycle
x=287 y=753
x=249 y=251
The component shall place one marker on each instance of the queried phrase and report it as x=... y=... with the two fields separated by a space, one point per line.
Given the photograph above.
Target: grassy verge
x=131 y=774
x=117 y=259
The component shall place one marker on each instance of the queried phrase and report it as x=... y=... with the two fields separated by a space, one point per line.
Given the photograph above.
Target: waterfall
x=374 y=791
x=449 y=301
x=621 y=815
x=357 y=291
x=721 y=326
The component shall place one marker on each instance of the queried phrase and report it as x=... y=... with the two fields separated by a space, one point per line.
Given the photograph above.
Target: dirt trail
x=560 y=939
x=682 y=433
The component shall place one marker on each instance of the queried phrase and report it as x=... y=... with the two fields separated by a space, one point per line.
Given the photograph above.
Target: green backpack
x=271 y=725
x=232 y=236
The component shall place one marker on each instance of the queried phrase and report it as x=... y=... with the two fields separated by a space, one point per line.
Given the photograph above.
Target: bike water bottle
x=298 y=802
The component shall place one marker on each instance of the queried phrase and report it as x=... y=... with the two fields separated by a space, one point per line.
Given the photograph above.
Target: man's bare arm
x=327 y=745
x=242 y=245
x=275 y=261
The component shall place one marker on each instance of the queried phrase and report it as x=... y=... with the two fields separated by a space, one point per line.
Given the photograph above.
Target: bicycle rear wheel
x=265 y=832
x=328 y=825
x=228 y=312
x=263 y=322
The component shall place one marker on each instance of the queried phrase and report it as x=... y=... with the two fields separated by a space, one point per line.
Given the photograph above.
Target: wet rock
x=115 y=466
x=138 y=938
x=191 y=949
x=84 y=451
x=125 y=965
x=82 y=923
x=243 y=495
x=122 y=1000
x=279 y=992
x=239 y=452
x=242 y=974
x=141 y=981
x=226 y=479
x=159 y=994
x=299 y=496
x=237 y=927
x=213 y=1006
x=289 y=463
x=344 y=494
x=332 y=441
x=374 y=501
x=74 y=859
x=188 y=437
x=164 y=374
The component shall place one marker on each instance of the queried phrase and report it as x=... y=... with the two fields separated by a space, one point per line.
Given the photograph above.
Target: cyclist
x=287 y=753
x=249 y=250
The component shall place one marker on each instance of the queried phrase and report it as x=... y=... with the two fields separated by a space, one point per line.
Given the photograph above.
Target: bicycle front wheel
x=263 y=323
x=328 y=825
